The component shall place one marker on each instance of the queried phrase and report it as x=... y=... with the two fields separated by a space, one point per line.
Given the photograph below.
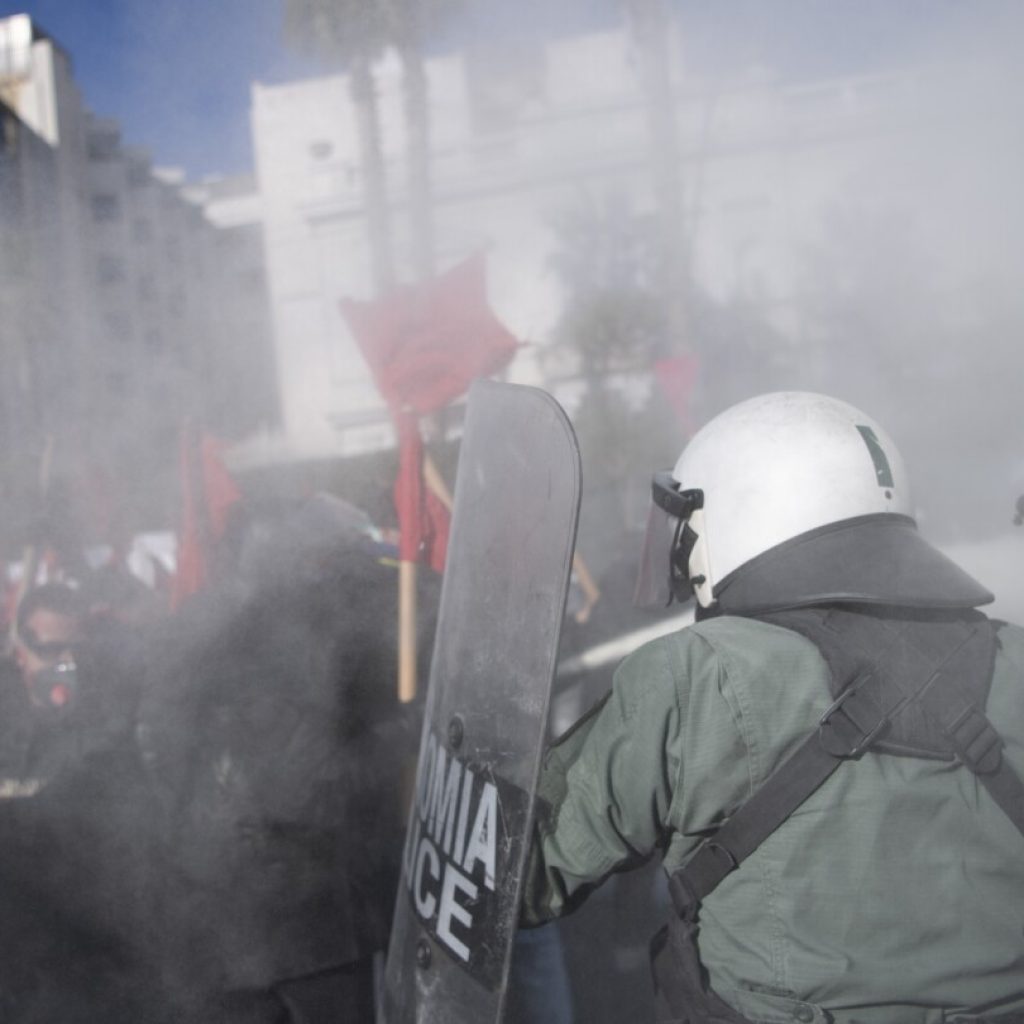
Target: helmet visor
x=659 y=576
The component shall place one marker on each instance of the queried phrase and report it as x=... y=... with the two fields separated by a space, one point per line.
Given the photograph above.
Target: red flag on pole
x=676 y=376
x=425 y=345
x=423 y=519
x=207 y=493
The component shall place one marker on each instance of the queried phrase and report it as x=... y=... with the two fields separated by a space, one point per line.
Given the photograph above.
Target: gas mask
x=51 y=675
x=55 y=686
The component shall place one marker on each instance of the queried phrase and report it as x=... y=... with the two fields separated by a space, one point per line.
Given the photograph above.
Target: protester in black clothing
x=76 y=932
x=48 y=629
x=279 y=753
x=65 y=693
x=225 y=849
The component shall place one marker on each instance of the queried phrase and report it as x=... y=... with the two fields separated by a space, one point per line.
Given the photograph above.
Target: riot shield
x=502 y=601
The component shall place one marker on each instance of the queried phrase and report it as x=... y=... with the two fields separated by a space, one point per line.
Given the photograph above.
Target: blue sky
x=176 y=73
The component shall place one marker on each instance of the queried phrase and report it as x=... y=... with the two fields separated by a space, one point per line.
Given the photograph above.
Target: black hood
x=876 y=559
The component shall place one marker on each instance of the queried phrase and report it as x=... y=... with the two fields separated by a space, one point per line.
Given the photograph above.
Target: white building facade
x=761 y=163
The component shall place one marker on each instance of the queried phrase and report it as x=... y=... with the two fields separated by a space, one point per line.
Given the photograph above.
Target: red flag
x=425 y=345
x=676 y=376
x=219 y=486
x=423 y=519
x=207 y=491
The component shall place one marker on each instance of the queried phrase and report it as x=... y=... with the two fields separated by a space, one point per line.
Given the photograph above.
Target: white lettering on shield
x=447 y=859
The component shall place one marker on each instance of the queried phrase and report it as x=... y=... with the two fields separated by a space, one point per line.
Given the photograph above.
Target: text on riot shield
x=467 y=830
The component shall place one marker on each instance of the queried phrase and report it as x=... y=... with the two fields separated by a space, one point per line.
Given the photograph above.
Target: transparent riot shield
x=502 y=602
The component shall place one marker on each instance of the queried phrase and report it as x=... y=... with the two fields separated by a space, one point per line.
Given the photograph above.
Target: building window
x=105 y=208
x=139 y=175
x=103 y=145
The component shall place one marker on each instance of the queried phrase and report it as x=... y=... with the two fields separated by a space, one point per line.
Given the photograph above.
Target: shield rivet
x=455 y=732
x=423 y=954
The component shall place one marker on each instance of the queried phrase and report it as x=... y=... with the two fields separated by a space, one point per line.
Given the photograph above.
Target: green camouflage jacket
x=894 y=895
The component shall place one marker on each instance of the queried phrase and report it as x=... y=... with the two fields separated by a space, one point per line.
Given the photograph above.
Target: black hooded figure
x=279 y=752
x=79 y=940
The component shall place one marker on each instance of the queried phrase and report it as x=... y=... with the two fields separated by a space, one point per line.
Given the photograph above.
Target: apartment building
x=125 y=308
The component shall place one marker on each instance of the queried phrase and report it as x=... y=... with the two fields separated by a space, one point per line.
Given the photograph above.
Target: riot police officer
x=829 y=759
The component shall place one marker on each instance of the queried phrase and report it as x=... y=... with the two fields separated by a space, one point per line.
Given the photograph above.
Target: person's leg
x=539 y=991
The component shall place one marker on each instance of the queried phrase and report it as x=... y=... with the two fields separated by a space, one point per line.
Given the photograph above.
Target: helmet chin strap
x=699 y=563
x=690 y=573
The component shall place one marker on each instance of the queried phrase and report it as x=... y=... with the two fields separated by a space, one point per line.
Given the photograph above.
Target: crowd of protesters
x=204 y=801
x=203 y=809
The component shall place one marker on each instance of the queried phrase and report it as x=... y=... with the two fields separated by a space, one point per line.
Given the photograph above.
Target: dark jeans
x=539 y=991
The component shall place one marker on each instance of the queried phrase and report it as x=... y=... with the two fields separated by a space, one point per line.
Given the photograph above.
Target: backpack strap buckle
x=708 y=866
x=975 y=741
x=852 y=722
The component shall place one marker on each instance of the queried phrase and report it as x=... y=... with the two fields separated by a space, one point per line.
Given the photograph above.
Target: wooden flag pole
x=407 y=640
x=591 y=591
x=406 y=631
x=433 y=479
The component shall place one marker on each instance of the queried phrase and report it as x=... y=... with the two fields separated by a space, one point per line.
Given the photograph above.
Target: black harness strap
x=844 y=731
x=920 y=706
x=944 y=669
x=976 y=744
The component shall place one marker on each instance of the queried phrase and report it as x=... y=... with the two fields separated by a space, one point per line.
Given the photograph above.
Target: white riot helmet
x=790 y=499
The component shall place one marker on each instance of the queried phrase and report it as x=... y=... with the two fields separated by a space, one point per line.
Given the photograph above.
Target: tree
x=612 y=329
x=409 y=24
x=353 y=34
x=650 y=25
x=607 y=261
x=405 y=20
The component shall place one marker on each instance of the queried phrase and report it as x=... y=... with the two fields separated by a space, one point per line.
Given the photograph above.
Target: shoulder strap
x=931 y=663
x=845 y=731
x=901 y=652
x=933 y=673
x=972 y=737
